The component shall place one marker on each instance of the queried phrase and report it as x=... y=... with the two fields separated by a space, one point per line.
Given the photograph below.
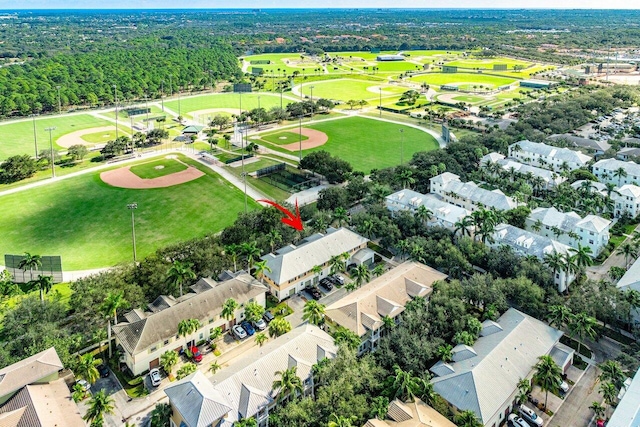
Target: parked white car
x=239 y=332
x=530 y=416
x=155 y=377
x=516 y=421
x=564 y=387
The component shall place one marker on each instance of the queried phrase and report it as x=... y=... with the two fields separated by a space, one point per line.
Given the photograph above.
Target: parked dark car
x=104 y=371
x=315 y=293
x=247 y=327
x=267 y=316
x=326 y=283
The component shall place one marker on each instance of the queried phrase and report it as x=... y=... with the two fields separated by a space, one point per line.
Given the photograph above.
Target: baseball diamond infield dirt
x=124 y=178
x=316 y=139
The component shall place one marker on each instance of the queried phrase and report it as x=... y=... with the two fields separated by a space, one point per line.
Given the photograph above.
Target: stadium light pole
x=240 y=93
x=311 y=87
x=162 y=95
x=258 y=112
x=146 y=107
x=300 y=138
x=35 y=137
x=132 y=207
x=59 y=103
x=401 y=146
x=380 y=102
x=53 y=169
x=115 y=96
x=244 y=174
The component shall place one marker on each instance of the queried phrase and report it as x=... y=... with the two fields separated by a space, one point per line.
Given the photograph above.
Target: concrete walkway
x=575 y=410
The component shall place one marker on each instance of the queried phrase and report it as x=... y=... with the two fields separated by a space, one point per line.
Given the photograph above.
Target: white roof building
x=484 y=378
x=631 y=280
x=592 y=231
x=444 y=214
x=627 y=413
x=550 y=178
x=626 y=200
x=526 y=243
x=547 y=156
x=247 y=384
x=292 y=266
x=606 y=171
x=594 y=186
x=468 y=195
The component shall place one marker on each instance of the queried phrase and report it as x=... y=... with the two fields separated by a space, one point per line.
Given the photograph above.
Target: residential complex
x=592 y=231
x=483 y=378
x=145 y=335
x=526 y=243
x=411 y=414
x=33 y=394
x=626 y=200
x=617 y=172
x=548 y=156
x=548 y=179
x=631 y=280
x=591 y=145
x=363 y=311
x=296 y=267
x=443 y=214
x=468 y=195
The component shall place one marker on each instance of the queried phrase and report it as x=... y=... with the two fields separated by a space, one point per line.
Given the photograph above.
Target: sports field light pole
x=146 y=107
x=380 y=103
x=244 y=175
x=53 y=170
x=59 y=103
x=115 y=95
x=401 y=146
x=258 y=112
x=35 y=137
x=132 y=207
x=300 y=139
x=162 y=95
x=311 y=87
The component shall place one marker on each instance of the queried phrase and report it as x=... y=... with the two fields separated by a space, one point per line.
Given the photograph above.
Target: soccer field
x=488 y=63
x=87 y=221
x=462 y=79
x=370 y=144
x=346 y=89
x=225 y=100
x=17 y=137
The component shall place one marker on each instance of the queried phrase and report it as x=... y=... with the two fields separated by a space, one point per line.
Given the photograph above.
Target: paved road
x=575 y=410
x=598 y=272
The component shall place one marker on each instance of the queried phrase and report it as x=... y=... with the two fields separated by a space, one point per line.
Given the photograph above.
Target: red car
x=196 y=355
x=600 y=423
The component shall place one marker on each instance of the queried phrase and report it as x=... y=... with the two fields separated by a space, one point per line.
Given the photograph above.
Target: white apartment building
x=627 y=200
x=547 y=156
x=468 y=195
x=592 y=231
x=443 y=214
x=617 y=172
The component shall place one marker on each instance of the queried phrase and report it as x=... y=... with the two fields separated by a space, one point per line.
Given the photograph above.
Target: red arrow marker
x=291 y=220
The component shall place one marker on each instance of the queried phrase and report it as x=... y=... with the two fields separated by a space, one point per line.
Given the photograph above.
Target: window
x=153 y=349
x=166 y=342
x=591 y=242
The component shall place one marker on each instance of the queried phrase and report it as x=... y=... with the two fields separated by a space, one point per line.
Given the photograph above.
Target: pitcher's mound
x=124 y=178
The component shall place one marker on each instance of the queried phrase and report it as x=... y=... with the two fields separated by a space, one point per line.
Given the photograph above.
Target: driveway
x=575 y=410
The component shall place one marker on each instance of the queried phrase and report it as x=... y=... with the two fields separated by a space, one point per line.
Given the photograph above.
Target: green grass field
x=462 y=78
x=225 y=100
x=346 y=89
x=370 y=144
x=488 y=63
x=469 y=98
x=283 y=138
x=158 y=168
x=99 y=137
x=17 y=137
x=86 y=221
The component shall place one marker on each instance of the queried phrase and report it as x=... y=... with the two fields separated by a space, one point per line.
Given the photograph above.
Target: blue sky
x=181 y=4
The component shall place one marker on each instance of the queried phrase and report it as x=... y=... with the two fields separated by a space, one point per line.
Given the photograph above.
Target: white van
x=530 y=415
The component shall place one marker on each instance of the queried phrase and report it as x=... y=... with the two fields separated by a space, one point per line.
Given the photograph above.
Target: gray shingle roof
x=627 y=413
x=199 y=403
x=631 y=279
x=525 y=242
x=547 y=175
x=581 y=142
x=477 y=195
x=29 y=370
x=139 y=335
x=484 y=382
x=443 y=211
x=364 y=308
x=291 y=261
x=247 y=384
x=562 y=154
x=612 y=165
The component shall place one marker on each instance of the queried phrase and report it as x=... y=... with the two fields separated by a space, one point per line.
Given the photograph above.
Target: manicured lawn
x=99 y=137
x=346 y=89
x=62 y=291
x=487 y=63
x=86 y=221
x=17 y=137
x=157 y=168
x=226 y=100
x=371 y=144
x=283 y=138
x=469 y=98
x=462 y=78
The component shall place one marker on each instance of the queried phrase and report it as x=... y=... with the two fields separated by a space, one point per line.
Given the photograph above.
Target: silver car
x=239 y=332
x=155 y=377
x=260 y=324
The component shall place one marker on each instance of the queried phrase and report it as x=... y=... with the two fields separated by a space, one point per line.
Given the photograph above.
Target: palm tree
x=341 y=215
x=548 y=375
x=86 y=367
x=524 y=388
x=463 y=226
x=99 y=405
x=620 y=173
x=30 y=262
x=361 y=274
x=313 y=312
x=582 y=325
x=467 y=418
x=342 y=335
x=582 y=256
x=229 y=309
x=274 y=237
x=445 y=353
x=340 y=421
x=250 y=251
x=337 y=264
x=214 y=367
x=179 y=274
x=279 y=326
x=406 y=178
x=261 y=267
x=112 y=303
x=160 y=415
x=246 y=422
x=598 y=410
x=188 y=326
x=288 y=384
x=609 y=392
x=570 y=267
x=233 y=251
x=537 y=226
x=554 y=261
x=405 y=386
x=43 y=284
x=378 y=270
x=168 y=361
x=612 y=372
x=629 y=250
x=559 y=315
x=423 y=214
x=261 y=338
x=367 y=227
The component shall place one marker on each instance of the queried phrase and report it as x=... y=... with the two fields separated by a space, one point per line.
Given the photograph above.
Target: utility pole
x=300 y=139
x=115 y=95
x=401 y=146
x=59 y=103
x=311 y=87
x=53 y=170
x=244 y=174
x=380 y=103
x=35 y=137
x=162 y=95
x=132 y=207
